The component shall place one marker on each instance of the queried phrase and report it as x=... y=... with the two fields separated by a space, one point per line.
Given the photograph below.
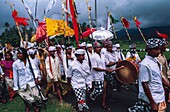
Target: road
x=122 y=100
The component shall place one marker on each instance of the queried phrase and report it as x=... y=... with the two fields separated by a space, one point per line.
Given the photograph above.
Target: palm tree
x=6 y=25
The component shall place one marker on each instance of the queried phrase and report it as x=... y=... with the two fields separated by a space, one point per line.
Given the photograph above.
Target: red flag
x=74 y=20
x=162 y=35
x=87 y=32
x=137 y=22
x=19 y=20
x=125 y=22
x=41 y=32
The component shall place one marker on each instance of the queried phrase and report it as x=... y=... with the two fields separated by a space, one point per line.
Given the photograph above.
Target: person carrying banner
x=26 y=76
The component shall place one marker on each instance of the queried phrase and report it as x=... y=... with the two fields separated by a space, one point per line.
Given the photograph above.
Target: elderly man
x=151 y=92
x=78 y=72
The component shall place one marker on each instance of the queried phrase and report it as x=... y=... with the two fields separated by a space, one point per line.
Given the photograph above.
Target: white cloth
x=111 y=57
x=22 y=74
x=69 y=60
x=98 y=62
x=150 y=72
x=128 y=55
x=54 y=72
x=62 y=64
x=120 y=54
x=103 y=50
x=37 y=63
x=90 y=77
x=78 y=73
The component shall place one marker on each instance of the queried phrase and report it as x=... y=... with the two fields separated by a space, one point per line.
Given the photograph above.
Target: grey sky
x=149 y=12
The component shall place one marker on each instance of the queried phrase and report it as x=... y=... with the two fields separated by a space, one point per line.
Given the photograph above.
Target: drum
x=129 y=74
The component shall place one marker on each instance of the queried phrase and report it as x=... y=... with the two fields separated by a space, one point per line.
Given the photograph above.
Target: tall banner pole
x=89 y=18
x=63 y=2
x=138 y=27
x=96 y=12
x=142 y=35
x=16 y=24
x=121 y=18
x=112 y=26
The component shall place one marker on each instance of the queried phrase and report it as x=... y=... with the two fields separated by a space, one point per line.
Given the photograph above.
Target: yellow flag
x=58 y=27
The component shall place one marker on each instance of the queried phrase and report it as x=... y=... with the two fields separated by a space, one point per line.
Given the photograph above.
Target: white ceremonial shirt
x=98 y=62
x=149 y=71
x=54 y=72
x=133 y=54
x=78 y=73
x=22 y=74
x=120 y=55
x=113 y=57
x=103 y=50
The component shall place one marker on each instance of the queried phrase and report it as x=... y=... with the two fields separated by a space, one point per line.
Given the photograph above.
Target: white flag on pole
x=50 y=5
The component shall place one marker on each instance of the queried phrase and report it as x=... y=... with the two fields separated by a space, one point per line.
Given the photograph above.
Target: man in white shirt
x=119 y=52
x=132 y=54
x=32 y=54
x=151 y=92
x=52 y=68
x=78 y=72
x=26 y=76
x=98 y=72
x=111 y=59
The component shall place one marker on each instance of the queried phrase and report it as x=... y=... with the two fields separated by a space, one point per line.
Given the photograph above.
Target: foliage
x=52 y=105
x=11 y=35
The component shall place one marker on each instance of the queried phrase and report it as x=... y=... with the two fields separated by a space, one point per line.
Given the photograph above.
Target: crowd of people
x=88 y=70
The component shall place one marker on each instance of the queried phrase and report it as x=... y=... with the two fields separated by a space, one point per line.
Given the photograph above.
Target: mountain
x=147 y=32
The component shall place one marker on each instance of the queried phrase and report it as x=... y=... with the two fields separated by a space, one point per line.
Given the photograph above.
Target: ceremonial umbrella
x=101 y=34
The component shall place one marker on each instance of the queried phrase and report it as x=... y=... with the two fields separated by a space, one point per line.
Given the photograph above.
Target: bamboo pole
x=16 y=24
x=125 y=28
x=64 y=21
x=142 y=35
x=89 y=18
x=138 y=28
x=112 y=26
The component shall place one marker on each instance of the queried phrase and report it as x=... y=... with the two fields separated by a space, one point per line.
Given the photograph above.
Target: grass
x=52 y=105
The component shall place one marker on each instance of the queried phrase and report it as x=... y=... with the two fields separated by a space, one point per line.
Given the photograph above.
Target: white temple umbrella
x=101 y=34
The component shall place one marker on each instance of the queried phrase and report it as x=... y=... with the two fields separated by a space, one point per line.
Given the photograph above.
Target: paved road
x=122 y=101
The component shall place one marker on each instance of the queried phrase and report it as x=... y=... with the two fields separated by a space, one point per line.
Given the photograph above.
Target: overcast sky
x=149 y=12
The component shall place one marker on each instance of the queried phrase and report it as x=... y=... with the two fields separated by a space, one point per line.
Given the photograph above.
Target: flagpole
x=75 y=21
x=107 y=16
x=30 y=15
x=138 y=27
x=67 y=9
x=96 y=12
x=16 y=24
x=142 y=35
x=111 y=25
x=125 y=28
x=89 y=17
x=64 y=23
